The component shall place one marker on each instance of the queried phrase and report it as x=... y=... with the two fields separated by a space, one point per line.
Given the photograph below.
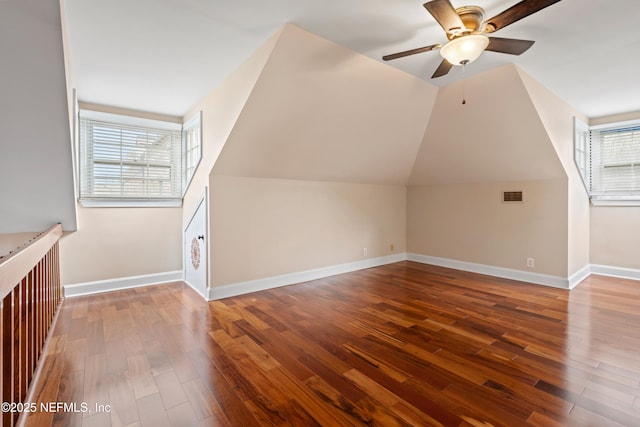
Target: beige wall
x=470 y=154
x=614 y=236
x=469 y=222
x=267 y=227
x=113 y=243
x=558 y=117
x=633 y=115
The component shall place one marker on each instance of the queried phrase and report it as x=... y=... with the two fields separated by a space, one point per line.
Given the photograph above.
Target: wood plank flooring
x=400 y=345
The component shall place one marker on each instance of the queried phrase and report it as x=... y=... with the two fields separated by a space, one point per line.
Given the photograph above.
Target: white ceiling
x=163 y=56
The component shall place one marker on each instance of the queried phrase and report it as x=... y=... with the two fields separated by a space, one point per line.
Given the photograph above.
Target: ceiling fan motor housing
x=471 y=17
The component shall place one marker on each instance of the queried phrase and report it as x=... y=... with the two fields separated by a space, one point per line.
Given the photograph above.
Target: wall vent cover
x=512 y=196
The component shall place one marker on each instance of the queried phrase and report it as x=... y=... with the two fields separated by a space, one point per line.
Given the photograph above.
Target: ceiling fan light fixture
x=464 y=49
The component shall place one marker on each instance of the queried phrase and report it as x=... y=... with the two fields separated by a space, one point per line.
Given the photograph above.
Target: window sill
x=613 y=201
x=123 y=203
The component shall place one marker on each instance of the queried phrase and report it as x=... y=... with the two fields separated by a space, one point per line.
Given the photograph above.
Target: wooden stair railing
x=30 y=294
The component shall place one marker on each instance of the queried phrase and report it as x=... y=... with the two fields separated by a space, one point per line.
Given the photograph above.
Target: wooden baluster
x=24 y=358
x=15 y=371
x=57 y=274
x=41 y=303
x=52 y=299
x=41 y=312
x=32 y=325
x=7 y=354
x=47 y=297
x=45 y=268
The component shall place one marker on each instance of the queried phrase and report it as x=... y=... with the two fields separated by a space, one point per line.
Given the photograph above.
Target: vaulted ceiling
x=164 y=55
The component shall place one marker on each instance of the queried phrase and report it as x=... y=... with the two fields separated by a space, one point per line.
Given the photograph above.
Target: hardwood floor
x=403 y=344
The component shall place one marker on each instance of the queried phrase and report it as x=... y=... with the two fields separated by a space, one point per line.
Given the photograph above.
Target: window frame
x=592 y=174
x=88 y=198
x=191 y=142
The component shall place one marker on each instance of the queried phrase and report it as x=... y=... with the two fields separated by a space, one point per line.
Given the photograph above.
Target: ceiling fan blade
x=515 y=13
x=443 y=69
x=510 y=46
x=446 y=15
x=411 y=52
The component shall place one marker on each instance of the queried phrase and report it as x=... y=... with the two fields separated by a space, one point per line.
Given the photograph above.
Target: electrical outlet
x=531 y=263
x=365 y=252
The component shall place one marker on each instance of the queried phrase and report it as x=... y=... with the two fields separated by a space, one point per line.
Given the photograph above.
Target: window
x=581 y=150
x=192 y=144
x=611 y=162
x=125 y=159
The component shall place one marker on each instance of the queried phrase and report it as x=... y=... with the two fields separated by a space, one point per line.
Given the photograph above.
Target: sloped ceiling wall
x=495 y=136
x=323 y=112
x=36 y=172
x=221 y=109
x=557 y=118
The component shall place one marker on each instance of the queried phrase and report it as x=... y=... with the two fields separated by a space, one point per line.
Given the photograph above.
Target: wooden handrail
x=16 y=265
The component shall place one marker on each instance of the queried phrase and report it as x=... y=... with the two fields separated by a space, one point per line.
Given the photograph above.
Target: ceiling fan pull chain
x=464 y=63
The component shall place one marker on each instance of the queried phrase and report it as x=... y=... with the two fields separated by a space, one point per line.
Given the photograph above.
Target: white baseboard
x=299 y=277
x=99 y=286
x=621 y=272
x=524 y=276
x=579 y=276
x=196 y=290
x=319 y=273
x=505 y=273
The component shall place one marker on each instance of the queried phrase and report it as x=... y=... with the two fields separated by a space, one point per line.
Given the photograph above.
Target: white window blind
x=615 y=162
x=129 y=159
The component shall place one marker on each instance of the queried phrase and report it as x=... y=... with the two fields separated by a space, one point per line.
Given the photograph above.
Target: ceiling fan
x=467 y=32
